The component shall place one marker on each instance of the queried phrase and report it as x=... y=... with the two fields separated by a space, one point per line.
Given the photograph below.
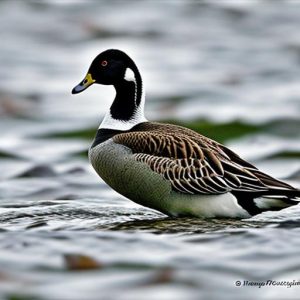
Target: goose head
x=110 y=67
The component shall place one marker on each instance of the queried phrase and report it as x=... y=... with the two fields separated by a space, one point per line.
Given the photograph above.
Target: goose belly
x=115 y=164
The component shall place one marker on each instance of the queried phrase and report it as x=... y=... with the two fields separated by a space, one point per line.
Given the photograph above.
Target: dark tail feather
x=292 y=194
x=276 y=196
x=272 y=199
x=277 y=187
x=272 y=182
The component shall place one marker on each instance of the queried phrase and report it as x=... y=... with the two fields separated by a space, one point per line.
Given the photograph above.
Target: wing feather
x=194 y=164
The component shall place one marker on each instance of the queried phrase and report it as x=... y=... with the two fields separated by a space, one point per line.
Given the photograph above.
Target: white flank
x=209 y=206
x=266 y=203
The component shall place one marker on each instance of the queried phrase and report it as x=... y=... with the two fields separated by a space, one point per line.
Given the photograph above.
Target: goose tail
x=278 y=195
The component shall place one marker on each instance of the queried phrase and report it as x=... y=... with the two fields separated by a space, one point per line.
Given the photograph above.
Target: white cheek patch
x=129 y=75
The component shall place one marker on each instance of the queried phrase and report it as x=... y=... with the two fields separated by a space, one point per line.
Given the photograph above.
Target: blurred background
x=228 y=69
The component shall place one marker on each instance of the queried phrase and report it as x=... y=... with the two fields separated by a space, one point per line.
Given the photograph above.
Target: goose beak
x=84 y=84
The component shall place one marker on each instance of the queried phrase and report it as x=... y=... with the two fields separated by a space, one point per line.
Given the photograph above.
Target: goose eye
x=104 y=63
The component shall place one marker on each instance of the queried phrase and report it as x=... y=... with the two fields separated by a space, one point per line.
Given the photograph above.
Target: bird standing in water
x=170 y=168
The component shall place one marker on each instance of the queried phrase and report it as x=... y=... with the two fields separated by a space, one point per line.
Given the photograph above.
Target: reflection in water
x=182 y=225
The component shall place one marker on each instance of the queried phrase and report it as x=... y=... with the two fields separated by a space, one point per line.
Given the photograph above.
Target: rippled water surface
x=228 y=69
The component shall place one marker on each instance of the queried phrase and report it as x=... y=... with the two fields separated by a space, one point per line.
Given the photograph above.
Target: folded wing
x=193 y=164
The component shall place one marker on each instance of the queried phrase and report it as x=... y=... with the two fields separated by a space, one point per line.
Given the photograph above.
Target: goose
x=169 y=168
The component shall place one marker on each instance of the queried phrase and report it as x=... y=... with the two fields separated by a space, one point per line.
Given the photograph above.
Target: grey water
x=230 y=68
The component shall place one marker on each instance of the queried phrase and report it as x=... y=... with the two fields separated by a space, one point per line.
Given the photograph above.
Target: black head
x=107 y=68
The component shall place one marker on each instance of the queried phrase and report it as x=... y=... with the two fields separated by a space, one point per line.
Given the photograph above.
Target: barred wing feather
x=192 y=164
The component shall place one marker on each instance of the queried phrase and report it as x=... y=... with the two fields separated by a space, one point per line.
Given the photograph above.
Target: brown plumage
x=193 y=163
x=170 y=168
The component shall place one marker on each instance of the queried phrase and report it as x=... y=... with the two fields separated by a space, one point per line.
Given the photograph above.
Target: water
x=228 y=69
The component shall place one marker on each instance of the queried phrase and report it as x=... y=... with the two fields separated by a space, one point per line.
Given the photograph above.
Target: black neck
x=104 y=134
x=128 y=98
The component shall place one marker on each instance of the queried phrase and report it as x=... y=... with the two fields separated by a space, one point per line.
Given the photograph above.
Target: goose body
x=170 y=168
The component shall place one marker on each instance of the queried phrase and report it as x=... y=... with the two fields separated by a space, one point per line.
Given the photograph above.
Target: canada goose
x=170 y=168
